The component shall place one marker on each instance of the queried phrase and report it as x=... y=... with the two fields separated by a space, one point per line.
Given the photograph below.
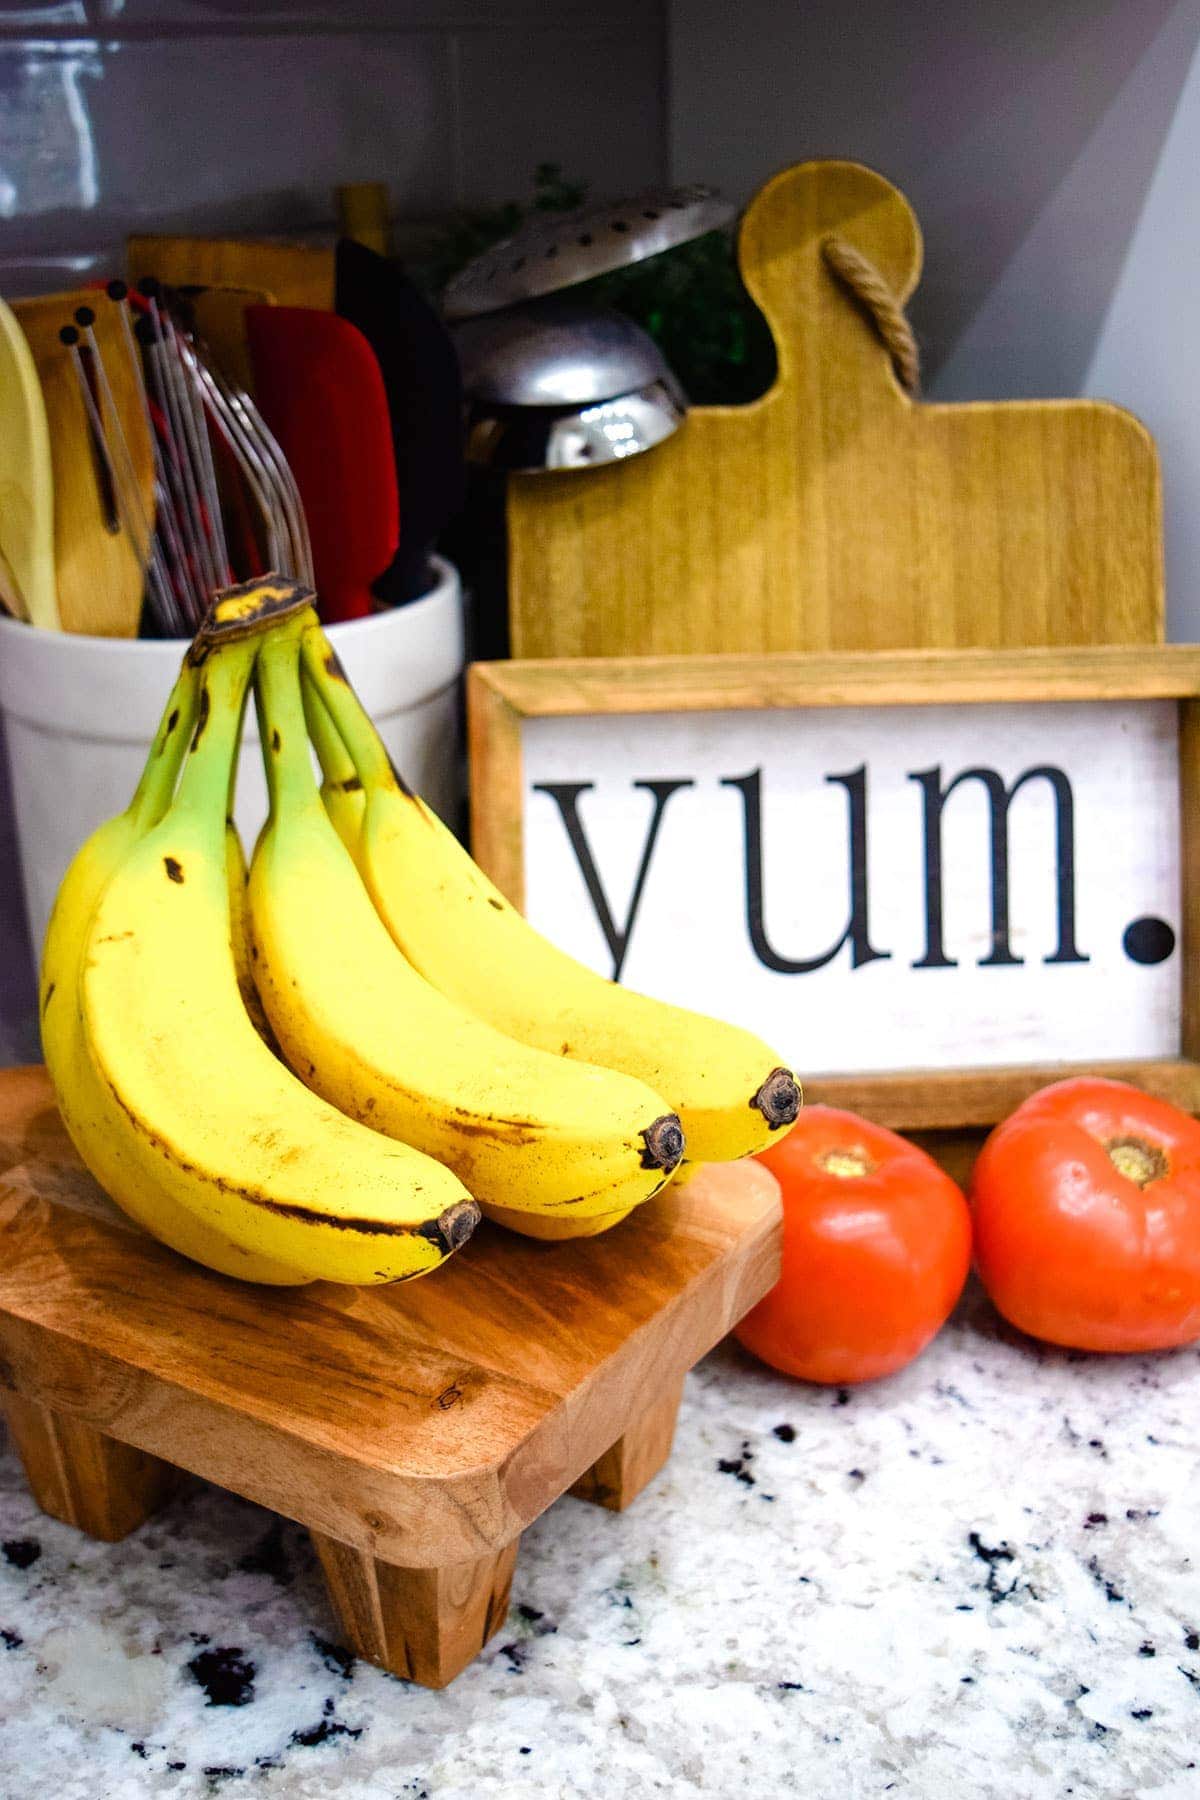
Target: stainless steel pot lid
x=556 y=353
x=552 y=251
x=542 y=439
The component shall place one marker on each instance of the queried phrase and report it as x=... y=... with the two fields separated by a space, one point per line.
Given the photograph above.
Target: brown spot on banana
x=779 y=1099
x=448 y=1232
x=201 y=716
x=174 y=869
x=514 y=1131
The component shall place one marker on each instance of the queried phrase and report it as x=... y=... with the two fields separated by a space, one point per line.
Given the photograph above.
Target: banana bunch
x=323 y=1068
x=170 y=1094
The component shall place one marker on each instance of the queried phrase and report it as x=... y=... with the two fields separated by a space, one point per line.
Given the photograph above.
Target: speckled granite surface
x=980 y=1578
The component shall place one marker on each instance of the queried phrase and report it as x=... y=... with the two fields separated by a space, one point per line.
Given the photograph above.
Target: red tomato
x=1087 y=1218
x=876 y=1247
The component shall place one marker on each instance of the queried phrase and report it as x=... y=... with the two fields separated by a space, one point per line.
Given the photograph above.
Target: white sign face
x=874 y=888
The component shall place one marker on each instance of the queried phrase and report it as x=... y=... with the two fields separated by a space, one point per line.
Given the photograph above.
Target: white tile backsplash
x=209 y=133
x=47 y=144
x=137 y=16
x=34 y=272
x=42 y=15
x=214 y=115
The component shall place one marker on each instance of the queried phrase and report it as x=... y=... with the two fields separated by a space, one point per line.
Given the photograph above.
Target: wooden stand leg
x=636 y=1457
x=84 y=1478
x=423 y=1624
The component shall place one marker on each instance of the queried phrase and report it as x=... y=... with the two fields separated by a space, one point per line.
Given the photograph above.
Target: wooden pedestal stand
x=415 y=1429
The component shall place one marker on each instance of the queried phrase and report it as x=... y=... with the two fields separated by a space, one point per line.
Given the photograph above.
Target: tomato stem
x=1137 y=1160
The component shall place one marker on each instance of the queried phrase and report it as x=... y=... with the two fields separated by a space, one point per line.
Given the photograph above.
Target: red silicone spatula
x=318 y=385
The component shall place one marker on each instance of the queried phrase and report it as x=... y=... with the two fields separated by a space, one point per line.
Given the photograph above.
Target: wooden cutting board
x=296 y=274
x=836 y=512
x=221 y=323
x=415 y=1429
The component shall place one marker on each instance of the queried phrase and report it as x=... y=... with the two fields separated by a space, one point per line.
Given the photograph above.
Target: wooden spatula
x=221 y=321
x=27 y=581
x=98 y=560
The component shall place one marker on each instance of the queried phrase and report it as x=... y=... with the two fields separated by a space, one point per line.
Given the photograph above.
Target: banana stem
x=156 y=784
x=203 y=792
x=372 y=764
x=337 y=765
x=281 y=724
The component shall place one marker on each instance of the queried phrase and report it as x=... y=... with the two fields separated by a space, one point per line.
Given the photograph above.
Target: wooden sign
x=840 y=511
x=934 y=881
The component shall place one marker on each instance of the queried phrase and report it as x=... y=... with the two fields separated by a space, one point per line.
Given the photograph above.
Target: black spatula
x=424 y=393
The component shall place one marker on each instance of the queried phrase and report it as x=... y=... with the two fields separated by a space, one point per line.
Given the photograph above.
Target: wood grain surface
x=946 y=1099
x=835 y=512
x=78 y=1475
x=98 y=569
x=425 y=1625
x=295 y=274
x=425 y=1423
x=221 y=324
x=619 y=1476
x=565 y=687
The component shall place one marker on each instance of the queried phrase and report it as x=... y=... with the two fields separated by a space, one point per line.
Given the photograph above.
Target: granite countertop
x=977 y=1578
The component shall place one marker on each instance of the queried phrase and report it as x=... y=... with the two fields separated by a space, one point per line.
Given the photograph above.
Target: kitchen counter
x=976 y=1579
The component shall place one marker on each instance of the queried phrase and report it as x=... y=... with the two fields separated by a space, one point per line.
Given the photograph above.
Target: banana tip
x=664 y=1143
x=779 y=1099
x=451 y=1229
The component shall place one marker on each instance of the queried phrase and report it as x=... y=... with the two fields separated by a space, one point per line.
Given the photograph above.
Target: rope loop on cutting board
x=862 y=280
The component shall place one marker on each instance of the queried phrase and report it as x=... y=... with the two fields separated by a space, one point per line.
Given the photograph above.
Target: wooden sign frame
x=501 y=696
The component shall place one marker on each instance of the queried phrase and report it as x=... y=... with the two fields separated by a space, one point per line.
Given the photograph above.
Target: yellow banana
x=527 y=1132
x=204 y=1111
x=98 y=1131
x=239 y=935
x=728 y=1088
x=341 y=790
